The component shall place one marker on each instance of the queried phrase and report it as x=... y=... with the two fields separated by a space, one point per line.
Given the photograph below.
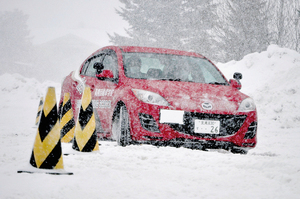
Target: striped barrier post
x=85 y=139
x=47 y=152
x=67 y=122
x=39 y=111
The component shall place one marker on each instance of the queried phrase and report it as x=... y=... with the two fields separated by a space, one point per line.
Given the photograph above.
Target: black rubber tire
x=122 y=130
x=238 y=151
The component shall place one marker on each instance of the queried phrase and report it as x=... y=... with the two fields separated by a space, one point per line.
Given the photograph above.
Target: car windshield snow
x=156 y=66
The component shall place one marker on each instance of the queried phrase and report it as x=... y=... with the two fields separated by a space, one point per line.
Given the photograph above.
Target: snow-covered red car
x=164 y=97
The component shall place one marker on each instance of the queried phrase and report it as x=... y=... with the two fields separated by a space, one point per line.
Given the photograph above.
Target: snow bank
x=272 y=78
x=15 y=85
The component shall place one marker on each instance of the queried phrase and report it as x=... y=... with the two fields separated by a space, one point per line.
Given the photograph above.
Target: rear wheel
x=120 y=126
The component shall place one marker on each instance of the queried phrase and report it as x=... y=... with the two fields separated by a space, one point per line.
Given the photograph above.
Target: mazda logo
x=206 y=105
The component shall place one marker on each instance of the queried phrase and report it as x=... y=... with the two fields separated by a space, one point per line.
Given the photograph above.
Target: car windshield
x=171 y=67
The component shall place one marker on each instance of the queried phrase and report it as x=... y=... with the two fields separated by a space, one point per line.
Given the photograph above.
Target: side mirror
x=236 y=81
x=238 y=76
x=105 y=74
x=235 y=84
x=98 y=66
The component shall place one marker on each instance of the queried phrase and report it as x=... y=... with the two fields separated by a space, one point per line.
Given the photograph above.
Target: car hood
x=191 y=96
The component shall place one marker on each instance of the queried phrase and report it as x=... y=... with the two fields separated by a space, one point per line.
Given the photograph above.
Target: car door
x=104 y=89
x=87 y=77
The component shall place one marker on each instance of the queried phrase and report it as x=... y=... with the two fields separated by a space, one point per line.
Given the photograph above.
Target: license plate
x=207 y=126
x=171 y=116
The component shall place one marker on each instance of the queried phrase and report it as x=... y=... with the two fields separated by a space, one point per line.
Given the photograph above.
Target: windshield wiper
x=217 y=83
x=172 y=79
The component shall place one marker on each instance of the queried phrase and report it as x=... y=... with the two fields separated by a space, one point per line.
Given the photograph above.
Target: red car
x=164 y=97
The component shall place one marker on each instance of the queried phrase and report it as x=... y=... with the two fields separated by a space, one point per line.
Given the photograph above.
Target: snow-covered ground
x=271 y=170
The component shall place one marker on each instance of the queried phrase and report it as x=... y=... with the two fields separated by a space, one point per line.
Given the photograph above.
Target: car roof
x=158 y=50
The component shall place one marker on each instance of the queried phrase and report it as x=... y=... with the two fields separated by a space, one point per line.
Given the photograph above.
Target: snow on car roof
x=158 y=50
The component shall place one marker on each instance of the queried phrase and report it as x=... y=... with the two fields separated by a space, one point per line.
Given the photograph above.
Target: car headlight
x=150 y=97
x=247 y=105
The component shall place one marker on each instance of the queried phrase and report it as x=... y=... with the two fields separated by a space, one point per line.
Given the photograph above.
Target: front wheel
x=120 y=127
x=237 y=150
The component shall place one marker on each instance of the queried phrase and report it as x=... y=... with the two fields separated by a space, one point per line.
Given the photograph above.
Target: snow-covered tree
x=15 y=42
x=243 y=28
x=285 y=23
x=200 y=21
x=180 y=24
x=221 y=29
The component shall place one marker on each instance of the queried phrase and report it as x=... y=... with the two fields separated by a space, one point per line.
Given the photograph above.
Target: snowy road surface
x=271 y=170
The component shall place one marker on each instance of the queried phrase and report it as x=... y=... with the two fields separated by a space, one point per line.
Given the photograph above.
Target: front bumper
x=236 y=130
x=198 y=144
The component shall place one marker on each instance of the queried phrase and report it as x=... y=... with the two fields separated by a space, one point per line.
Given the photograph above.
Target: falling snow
x=271 y=170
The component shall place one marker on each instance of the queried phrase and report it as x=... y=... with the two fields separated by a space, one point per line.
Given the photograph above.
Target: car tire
x=236 y=150
x=121 y=127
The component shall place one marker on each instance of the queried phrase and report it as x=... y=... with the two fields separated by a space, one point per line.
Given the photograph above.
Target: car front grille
x=229 y=124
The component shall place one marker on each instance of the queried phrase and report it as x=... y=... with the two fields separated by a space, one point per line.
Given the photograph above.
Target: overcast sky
x=89 y=19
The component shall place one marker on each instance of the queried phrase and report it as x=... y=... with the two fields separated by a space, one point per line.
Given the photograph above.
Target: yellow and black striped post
x=67 y=123
x=85 y=139
x=47 y=152
x=39 y=111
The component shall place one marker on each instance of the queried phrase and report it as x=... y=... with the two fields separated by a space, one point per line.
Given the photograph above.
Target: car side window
x=110 y=63
x=85 y=65
x=88 y=68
